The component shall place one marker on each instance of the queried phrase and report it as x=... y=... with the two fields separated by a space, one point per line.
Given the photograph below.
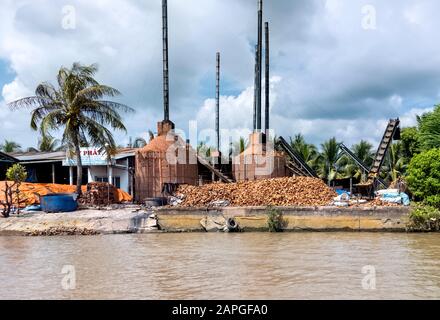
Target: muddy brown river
x=222 y=266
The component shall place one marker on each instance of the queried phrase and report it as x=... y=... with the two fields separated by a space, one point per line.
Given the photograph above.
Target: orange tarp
x=30 y=192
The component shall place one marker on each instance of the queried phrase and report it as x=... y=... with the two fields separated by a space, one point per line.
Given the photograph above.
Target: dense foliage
x=423 y=177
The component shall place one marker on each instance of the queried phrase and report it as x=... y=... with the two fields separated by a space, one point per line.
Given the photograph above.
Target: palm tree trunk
x=78 y=169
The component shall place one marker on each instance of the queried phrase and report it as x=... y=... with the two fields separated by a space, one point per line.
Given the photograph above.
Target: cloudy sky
x=339 y=67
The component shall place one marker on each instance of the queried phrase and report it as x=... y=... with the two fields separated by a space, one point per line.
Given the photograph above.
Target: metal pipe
x=260 y=60
x=267 y=82
x=166 y=91
x=255 y=89
x=217 y=99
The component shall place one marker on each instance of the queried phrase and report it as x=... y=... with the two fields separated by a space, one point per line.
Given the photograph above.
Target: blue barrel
x=59 y=203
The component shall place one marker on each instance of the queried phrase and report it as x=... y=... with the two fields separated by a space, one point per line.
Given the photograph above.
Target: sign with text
x=89 y=157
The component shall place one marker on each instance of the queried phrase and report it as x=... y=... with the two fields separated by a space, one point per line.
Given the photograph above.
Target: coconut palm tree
x=429 y=129
x=139 y=143
x=49 y=144
x=395 y=164
x=307 y=151
x=240 y=146
x=328 y=166
x=364 y=151
x=204 y=150
x=78 y=109
x=10 y=146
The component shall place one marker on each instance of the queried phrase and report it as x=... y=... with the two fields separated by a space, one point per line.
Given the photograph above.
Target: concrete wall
x=296 y=218
x=101 y=171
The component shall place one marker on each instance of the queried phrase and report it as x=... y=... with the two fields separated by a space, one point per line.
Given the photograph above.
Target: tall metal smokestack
x=260 y=61
x=217 y=102
x=256 y=88
x=267 y=83
x=166 y=85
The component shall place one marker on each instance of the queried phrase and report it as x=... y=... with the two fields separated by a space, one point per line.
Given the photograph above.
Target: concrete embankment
x=295 y=218
x=130 y=220
x=82 y=222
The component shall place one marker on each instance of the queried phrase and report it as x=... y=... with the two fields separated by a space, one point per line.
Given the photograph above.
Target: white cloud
x=334 y=78
x=15 y=90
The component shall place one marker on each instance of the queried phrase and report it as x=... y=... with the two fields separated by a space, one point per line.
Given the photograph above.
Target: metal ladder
x=390 y=133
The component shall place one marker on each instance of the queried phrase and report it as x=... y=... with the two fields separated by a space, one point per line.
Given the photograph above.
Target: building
x=5 y=162
x=57 y=167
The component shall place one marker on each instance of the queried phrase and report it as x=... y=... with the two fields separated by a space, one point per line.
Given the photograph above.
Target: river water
x=222 y=266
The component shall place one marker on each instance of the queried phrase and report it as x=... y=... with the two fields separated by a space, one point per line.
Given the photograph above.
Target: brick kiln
x=259 y=161
x=167 y=159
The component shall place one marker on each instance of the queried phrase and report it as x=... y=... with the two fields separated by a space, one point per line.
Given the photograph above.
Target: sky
x=339 y=68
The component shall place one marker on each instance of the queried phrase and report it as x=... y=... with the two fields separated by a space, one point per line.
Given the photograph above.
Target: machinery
x=392 y=132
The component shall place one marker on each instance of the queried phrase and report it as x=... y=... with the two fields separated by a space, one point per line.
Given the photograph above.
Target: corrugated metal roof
x=7 y=158
x=41 y=156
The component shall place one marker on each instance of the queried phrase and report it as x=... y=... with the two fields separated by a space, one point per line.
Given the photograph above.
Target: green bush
x=16 y=173
x=423 y=177
x=425 y=218
x=433 y=201
x=275 y=220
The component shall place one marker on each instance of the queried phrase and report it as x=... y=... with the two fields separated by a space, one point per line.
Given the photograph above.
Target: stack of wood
x=295 y=191
x=99 y=194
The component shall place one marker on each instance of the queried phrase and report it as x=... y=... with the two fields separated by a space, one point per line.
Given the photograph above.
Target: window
x=116 y=181
x=101 y=179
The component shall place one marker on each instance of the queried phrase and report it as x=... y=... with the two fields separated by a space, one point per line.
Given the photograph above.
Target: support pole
x=260 y=60
x=71 y=175
x=166 y=91
x=255 y=89
x=53 y=173
x=217 y=100
x=267 y=81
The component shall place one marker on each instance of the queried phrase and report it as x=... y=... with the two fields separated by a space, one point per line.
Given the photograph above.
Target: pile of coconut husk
x=99 y=194
x=295 y=191
x=30 y=193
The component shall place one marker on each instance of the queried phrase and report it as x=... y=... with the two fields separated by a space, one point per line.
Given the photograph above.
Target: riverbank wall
x=356 y=219
x=249 y=219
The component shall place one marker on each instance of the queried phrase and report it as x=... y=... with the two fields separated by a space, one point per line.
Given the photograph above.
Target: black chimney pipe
x=166 y=88
x=255 y=89
x=217 y=102
x=260 y=61
x=267 y=82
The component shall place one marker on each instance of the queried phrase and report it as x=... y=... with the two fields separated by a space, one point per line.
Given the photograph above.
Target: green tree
x=76 y=107
x=307 y=151
x=139 y=143
x=240 y=146
x=328 y=166
x=364 y=151
x=395 y=164
x=423 y=176
x=429 y=129
x=410 y=142
x=48 y=143
x=15 y=175
x=10 y=146
x=204 y=150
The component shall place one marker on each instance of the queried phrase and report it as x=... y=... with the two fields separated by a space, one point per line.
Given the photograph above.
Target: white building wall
x=101 y=172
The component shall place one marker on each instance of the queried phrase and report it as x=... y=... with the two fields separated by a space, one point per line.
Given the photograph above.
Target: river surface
x=222 y=266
